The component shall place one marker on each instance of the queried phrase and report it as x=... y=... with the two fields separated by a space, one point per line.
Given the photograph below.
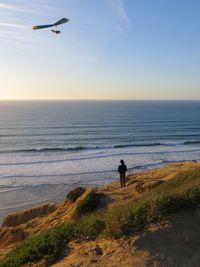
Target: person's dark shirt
x=122 y=169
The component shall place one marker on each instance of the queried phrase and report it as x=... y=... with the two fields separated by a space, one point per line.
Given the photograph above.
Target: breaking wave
x=92 y=147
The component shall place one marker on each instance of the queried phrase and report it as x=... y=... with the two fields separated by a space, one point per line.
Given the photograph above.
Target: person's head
x=121 y=161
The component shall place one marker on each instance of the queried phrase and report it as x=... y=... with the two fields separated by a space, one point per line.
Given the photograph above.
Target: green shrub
x=45 y=245
x=75 y=194
x=181 y=193
x=88 y=204
x=114 y=218
x=89 y=226
x=178 y=194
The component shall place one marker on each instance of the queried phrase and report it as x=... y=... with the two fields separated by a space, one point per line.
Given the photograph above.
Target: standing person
x=122 y=173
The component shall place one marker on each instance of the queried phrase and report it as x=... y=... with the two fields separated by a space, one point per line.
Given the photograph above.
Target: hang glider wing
x=64 y=20
x=61 y=21
x=42 y=26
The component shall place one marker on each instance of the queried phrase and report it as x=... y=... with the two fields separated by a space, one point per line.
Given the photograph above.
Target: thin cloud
x=8 y=32
x=17 y=7
x=119 y=8
x=18 y=37
x=12 y=25
x=11 y=7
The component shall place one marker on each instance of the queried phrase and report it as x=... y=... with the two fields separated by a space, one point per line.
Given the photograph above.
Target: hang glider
x=62 y=21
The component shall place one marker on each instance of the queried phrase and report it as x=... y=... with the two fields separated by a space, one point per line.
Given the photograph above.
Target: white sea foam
x=31 y=169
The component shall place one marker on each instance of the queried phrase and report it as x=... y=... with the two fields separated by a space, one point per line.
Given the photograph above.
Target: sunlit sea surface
x=48 y=148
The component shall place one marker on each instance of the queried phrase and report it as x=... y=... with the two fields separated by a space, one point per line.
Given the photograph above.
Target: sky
x=110 y=49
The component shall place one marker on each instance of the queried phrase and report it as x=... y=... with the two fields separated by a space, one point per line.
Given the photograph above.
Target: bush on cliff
x=49 y=244
x=89 y=226
x=45 y=245
x=181 y=193
x=75 y=194
x=88 y=204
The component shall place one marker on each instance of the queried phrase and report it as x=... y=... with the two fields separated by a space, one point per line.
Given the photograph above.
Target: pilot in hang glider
x=56 y=30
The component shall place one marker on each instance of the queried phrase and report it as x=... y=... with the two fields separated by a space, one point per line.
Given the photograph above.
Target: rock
x=93 y=261
x=98 y=251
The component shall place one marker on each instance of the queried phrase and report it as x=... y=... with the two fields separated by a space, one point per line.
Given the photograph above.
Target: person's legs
x=124 y=180
x=121 y=181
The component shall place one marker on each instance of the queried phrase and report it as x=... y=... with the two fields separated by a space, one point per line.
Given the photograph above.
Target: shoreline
x=44 y=190
x=32 y=196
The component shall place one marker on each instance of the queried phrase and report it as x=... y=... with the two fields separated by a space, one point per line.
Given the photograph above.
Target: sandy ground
x=175 y=244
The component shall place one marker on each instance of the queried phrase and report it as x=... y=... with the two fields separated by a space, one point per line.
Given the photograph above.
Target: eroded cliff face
x=28 y=215
x=18 y=226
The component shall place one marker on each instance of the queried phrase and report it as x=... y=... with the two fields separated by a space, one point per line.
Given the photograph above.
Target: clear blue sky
x=110 y=49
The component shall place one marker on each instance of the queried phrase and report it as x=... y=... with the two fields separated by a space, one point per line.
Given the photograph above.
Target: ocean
x=48 y=148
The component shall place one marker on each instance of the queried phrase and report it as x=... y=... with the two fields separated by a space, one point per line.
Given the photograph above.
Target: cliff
x=154 y=221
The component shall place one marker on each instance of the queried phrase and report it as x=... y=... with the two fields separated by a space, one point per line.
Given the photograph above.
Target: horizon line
x=60 y=100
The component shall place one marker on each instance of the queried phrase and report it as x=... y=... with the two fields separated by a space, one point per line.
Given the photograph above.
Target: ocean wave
x=137 y=145
x=43 y=149
x=192 y=143
x=56 y=149
x=79 y=148
x=75 y=148
x=93 y=147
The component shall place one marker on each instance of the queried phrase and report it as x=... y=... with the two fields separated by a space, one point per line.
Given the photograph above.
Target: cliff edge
x=154 y=221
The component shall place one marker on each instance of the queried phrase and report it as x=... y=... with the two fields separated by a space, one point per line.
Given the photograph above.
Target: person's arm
x=125 y=168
